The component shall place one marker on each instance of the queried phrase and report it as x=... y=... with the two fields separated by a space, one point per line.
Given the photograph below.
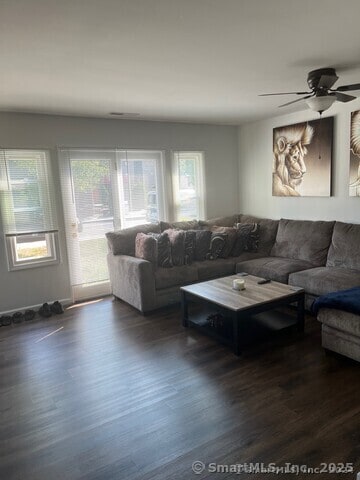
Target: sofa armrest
x=132 y=280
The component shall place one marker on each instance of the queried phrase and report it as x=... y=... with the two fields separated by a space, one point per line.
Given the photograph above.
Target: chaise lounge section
x=342 y=269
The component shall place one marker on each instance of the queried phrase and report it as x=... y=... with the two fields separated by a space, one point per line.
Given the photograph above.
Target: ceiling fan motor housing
x=314 y=77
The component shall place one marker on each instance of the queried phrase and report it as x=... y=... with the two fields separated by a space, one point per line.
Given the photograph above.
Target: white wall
x=255 y=171
x=35 y=286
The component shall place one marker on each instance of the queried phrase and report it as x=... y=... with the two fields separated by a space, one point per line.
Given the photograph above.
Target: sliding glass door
x=104 y=190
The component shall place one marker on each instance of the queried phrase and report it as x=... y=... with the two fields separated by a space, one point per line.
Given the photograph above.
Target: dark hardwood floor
x=116 y=395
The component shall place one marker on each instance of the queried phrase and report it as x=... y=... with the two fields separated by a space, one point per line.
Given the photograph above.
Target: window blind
x=188 y=185
x=141 y=186
x=26 y=192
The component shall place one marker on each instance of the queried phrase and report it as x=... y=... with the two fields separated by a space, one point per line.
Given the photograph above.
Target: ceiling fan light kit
x=320 y=104
x=322 y=95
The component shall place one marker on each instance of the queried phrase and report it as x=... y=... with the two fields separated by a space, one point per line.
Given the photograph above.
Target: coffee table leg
x=236 y=335
x=301 y=314
x=184 y=309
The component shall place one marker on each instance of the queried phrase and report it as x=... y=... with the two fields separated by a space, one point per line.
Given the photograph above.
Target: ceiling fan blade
x=348 y=88
x=284 y=93
x=327 y=81
x=342 y=97
x=295 y=101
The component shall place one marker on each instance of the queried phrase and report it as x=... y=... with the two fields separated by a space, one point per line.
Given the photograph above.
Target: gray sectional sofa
x=318 y=256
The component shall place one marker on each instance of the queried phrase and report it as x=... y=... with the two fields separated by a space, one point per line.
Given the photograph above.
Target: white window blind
x=28 y=208
x=141 y=186
x=188 y=185
x=27 y=195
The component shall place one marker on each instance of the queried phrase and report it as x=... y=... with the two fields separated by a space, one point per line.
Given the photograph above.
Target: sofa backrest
x=268 y=230
x=184 y=225
x=303 y=240
x=344 y=250
x=122 y=242
x=227 y=221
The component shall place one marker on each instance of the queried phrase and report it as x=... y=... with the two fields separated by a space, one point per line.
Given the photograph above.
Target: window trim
x=52 y=240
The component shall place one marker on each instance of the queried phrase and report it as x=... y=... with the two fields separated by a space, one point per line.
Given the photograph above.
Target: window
x=28 y=208
x=188 y=185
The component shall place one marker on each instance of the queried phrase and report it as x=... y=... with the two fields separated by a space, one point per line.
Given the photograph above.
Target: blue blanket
x=347 y=300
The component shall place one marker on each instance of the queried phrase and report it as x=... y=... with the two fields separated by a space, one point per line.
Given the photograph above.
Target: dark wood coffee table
x=231 y=315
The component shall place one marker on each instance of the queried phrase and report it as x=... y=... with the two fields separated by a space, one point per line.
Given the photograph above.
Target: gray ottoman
x=340 y=332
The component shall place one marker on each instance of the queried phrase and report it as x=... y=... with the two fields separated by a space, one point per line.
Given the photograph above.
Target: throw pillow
x=248 y=235
x=202 y=244
x=163 y=249
x=190 y=244
x=122 y=242
x=177 y=245
x=146 y=247
x=217 y=244
x=231 y=236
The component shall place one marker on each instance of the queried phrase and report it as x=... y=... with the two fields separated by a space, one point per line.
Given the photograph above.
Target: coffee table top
x=220 y=291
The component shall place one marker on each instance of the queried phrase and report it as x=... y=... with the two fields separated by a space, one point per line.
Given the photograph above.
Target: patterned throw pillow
x=177 y=245
x=248 y=235
x=202 y=245
x=231 y=237
x=190 y=244
x=217 y=244
x=146 y=247
x=163 y=249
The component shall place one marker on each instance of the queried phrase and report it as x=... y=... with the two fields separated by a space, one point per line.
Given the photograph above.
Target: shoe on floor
x=45 y=311
x=5 y=320
x=57 y=308
x=29 y=315
x=17 y=317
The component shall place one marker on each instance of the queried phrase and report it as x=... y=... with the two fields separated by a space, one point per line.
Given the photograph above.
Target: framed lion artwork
x=354 y=183
x=302 y=159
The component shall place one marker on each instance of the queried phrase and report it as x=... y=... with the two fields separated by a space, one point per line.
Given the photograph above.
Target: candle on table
x=239 y=284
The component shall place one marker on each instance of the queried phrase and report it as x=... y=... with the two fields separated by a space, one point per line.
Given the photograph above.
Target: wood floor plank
x=111 y=394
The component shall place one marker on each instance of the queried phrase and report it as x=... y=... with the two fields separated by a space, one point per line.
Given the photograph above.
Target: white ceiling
x=177 y=60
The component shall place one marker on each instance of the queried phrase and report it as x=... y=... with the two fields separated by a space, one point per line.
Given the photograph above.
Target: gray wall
x=255 y=171
x=37 y=285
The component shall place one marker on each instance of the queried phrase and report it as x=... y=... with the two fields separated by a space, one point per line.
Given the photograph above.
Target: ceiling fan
x=321 y=95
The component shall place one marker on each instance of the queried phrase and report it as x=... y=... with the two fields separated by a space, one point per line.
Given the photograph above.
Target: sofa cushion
x=146 y=247
x=267 y=233
x=230 y=240
x=247 y=239
x=345 y=246
x=122 y=242
x=321 y=280
x=343 y=321
x=215 y=268
x=303 y=240
x=275 y=268
x=169 y=277
x=177 y=245
x=228 y=221
x=185 y=225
